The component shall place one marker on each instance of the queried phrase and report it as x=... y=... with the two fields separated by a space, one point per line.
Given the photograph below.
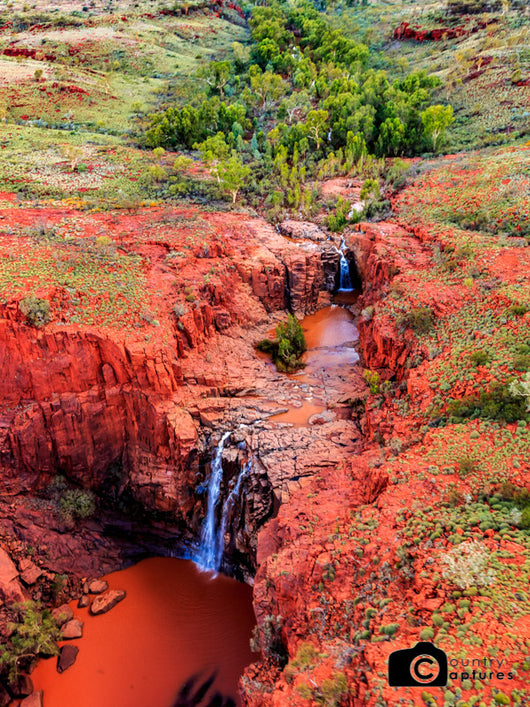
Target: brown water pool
x=175 y=623
x=329 y=334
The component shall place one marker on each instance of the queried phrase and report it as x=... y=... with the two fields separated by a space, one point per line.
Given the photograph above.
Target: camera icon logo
x=423 y=665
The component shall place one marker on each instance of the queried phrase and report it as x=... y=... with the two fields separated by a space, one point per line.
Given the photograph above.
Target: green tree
x=241 y=55
x=295 y=104
x=37 y=311
x=216 y=74
x=232 y=174
x=391 y=140
x=267 y=86
x=436 y=119
x=214 y=150
x=370 y=190
x=315 y=125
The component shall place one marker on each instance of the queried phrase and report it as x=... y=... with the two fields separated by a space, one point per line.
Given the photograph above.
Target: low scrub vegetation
x=499 y=402
x=33 y=633
x=287 y=349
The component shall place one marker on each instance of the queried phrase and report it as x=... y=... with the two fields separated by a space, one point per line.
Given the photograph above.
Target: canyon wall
x=111 y=410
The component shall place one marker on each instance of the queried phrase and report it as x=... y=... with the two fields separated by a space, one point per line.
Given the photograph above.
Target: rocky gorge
x=136 y=417
x=81 y=403
x=138 y=424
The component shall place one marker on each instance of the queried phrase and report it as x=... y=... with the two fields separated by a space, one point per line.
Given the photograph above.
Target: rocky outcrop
x=283 y=275
x=34 y=700
x=84 y=401
x=106 y=601
x=436 y=34
x=330 y=259
x=288 y=455
x=67 y=657
x=29 y=571
x=72 y=629
x=302 y=230
x=80 y=402
x=11 y=591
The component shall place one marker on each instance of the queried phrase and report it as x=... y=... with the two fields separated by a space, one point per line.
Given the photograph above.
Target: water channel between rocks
x=177 y=622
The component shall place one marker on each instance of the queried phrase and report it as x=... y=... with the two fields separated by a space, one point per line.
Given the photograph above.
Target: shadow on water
x=194 y=694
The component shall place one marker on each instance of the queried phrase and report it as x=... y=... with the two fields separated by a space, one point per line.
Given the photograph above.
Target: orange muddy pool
x=329 y=335
x=175 y=623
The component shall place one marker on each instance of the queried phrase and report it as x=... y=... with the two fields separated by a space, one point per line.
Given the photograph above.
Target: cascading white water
x=227 y=508
x=345 y=279
x=211 y=547
x=208 y=549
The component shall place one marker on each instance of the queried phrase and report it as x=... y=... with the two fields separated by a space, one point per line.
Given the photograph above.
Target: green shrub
x=337 y=221
x=333 y=689
x=388 y=629
x=396 y=175
x=479 y=358
x=179 y=310
x=304 y=691
x=286 y=350
x=426 y=634
x=37 y=311
x=372 y=378
x=34 y=633
x=521 y=362
x=419 y=319
x=466 y=565
x=518 y=310
x=306 y=656
x=466 y=465
x=497 y=403
x=77 y=504
x=525 y=518
x=103 y=241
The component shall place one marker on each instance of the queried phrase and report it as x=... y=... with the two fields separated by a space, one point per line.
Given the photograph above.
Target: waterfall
x=208 y=549
x=227 y=507
x=210 y=553
x=345 y=279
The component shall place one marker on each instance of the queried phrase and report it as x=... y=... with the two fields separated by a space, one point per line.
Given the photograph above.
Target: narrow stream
x=176 y=623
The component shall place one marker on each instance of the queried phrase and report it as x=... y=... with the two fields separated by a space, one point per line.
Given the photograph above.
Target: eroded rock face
x=283 y=275
x=84 y=402
x=90 y=403
x=86 y=409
